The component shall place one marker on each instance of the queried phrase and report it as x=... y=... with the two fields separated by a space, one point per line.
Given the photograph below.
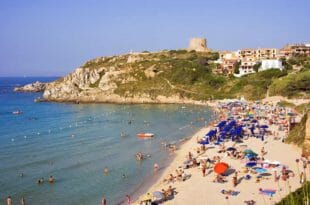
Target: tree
x=236 y=67
x=257 y=66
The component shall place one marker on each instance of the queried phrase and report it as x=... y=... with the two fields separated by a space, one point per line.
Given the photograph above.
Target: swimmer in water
x=106 y=171
x=124 y=176
x=40 y=181
x=51 y=179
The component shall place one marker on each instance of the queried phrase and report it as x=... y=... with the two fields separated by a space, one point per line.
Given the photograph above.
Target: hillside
x=168 y=76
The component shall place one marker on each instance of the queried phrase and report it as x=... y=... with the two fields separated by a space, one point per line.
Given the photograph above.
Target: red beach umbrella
x=220 y=168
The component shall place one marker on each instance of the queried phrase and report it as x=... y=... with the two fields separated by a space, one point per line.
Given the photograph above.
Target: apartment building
x=295 y=50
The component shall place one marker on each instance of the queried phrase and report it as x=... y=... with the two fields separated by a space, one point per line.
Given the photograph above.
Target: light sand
x=200 y=190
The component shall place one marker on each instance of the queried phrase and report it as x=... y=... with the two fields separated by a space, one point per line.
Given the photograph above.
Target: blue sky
x=51 y=38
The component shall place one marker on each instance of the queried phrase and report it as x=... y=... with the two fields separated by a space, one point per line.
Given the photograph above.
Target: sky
x=53 y=37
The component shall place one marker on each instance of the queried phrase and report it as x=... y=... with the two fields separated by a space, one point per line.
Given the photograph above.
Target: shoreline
x=187 y=188
x=148 y=185
x=171 y=166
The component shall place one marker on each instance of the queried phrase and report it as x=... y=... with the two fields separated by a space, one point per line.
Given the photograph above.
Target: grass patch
x=298 y=197
x=298 y=133
x=292 y=85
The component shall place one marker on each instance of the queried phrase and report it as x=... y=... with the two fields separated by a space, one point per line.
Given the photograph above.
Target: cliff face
x=88 y=85
x=132 y=78
x=84 y=84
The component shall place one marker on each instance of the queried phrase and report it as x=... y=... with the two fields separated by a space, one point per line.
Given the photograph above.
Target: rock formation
x=33 y=87
x=198 y=44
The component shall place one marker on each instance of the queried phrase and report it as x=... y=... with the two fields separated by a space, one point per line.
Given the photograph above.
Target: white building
x=269 y=64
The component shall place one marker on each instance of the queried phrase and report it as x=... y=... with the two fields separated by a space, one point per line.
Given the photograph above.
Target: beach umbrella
x=231 y=149
x=249 y=151
x=158 y=195
x=264 y=126
x=205 y=142
x=250 y=156
x=250 y=164
x=221 y=124
x=220 y=168
x=260 y=170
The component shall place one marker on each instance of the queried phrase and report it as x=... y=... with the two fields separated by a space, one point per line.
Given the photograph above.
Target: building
x=247 y=53
x=226 y=62
x=198 y=44
x=247 y=66
x=267 y=53
x=250 y=57
x=291 y=50
x=259 y=54
x=271 y=64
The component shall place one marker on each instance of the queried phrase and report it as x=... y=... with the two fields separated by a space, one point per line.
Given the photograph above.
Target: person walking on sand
x=190 y=156
x=276 y=176
x=203 y=169
x=235 y=179
x=301 y=178
x=9 y=200
x=103 y=201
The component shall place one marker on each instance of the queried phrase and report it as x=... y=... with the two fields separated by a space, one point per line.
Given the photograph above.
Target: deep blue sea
x=75 y=142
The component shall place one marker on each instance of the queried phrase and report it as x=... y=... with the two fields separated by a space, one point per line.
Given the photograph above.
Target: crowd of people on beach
x=238 y=121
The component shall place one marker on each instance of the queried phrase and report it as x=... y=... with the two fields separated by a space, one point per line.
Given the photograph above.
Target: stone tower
x=198 y=44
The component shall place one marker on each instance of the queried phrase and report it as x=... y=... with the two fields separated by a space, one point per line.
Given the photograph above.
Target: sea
x=74 y=143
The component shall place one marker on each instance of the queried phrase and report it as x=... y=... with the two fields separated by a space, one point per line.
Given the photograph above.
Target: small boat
x=17 y=112
x=145 y=135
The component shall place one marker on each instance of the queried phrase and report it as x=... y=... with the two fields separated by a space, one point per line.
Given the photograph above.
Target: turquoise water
x=75 y=142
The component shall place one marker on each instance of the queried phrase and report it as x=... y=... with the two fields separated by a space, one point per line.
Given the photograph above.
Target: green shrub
x=298 y=197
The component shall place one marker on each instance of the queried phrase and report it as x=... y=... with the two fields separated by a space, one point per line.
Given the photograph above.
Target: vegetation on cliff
x=187 y=74
x=298 y=132
x=298 y=197
x=293 y=85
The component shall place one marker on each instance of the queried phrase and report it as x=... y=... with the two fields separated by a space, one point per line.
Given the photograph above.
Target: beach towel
x=268 y=192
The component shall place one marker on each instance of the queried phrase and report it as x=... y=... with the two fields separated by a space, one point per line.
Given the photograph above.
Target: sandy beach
x=199 y=190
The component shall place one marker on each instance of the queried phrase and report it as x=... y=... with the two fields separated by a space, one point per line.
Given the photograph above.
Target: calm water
x=74 y=143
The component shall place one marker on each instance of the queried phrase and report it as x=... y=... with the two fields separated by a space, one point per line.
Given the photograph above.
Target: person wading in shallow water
x=103 y=201
x=9 y=200
x=128 y=200
x=22 y=201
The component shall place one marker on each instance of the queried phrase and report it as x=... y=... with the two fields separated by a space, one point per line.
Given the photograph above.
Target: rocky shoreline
x=32 y=87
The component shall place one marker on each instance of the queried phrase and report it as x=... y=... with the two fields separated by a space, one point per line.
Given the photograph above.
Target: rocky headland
x=33 y=87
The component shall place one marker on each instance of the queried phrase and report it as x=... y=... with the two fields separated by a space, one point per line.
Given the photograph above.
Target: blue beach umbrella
x=250 y=156
x=251 y=164
x=260 y=170
x=249 y=151
x=205 y=142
